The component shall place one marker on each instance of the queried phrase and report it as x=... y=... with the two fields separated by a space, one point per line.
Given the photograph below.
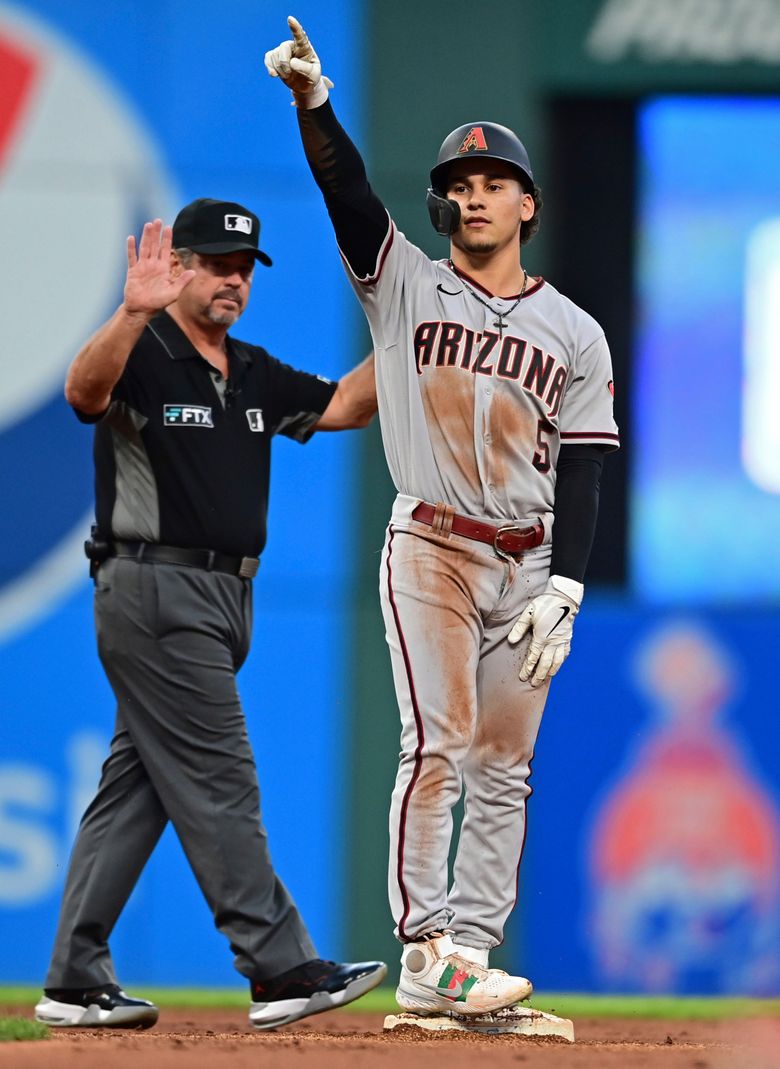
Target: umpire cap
x=481 y=139
x=217 y=226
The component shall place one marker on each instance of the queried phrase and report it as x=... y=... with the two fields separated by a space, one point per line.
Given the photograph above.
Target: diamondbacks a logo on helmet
x=474 y=141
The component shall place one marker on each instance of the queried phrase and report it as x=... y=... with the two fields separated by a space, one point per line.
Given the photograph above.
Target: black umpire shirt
x=182 y=457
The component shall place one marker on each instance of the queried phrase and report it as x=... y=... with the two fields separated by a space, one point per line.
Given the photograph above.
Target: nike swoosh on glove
x=550 y=619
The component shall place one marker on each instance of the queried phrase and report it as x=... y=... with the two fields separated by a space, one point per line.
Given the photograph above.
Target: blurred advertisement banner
x=78 y=173
x=652 y=862
x=685 y=847
x=761 y=398
x=705 y=501
x=111 y=115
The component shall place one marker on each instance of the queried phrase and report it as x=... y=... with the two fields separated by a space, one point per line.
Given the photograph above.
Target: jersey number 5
x=541 y=460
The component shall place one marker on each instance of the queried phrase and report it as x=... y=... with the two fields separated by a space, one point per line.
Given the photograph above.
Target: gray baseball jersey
x=476 y=395
x=473 y=411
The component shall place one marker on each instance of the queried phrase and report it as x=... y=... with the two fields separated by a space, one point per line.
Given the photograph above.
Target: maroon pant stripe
x=420 y=743
x=525 y=833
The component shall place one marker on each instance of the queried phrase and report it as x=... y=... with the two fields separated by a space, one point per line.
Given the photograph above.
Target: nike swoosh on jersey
x=564 y=613
x=450 y=293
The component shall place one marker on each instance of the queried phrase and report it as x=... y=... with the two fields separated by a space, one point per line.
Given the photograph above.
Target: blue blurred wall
x=653 y=855
x=182 y=90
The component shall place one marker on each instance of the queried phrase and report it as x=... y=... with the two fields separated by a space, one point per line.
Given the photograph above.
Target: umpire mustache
x=229 y=294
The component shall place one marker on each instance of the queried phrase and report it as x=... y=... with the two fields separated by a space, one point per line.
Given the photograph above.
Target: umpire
x=184 y=415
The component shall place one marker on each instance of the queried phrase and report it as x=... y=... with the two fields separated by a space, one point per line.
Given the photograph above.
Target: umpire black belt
x=208 y=559
x=507 y=539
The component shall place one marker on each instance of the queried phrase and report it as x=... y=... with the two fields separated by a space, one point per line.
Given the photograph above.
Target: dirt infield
x=192 y=1039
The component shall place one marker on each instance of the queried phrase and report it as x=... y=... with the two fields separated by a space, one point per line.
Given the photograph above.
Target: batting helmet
x=486 y=139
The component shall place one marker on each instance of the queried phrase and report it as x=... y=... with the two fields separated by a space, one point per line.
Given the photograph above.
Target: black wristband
x=578 y=474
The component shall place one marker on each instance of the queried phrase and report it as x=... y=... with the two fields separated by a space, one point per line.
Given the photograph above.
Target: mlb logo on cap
x=217 y=226
x=238 y=222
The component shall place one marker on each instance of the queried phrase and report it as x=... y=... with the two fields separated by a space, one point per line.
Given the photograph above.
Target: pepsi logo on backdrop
x=78 y=173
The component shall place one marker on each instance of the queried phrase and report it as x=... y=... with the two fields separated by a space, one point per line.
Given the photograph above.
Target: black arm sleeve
x=359 y=218
x=578 y=475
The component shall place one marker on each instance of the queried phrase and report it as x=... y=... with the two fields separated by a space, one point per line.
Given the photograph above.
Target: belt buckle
x=502 y=530
x=248 y=567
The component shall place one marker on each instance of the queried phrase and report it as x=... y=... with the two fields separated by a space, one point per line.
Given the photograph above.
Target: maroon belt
x=508 y=538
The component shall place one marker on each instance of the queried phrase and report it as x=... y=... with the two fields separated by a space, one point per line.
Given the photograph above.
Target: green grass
x=678 y=1007
x=382 y=1001
x=19 y=1028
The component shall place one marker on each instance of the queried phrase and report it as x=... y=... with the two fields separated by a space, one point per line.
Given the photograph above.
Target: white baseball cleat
x=434 y=979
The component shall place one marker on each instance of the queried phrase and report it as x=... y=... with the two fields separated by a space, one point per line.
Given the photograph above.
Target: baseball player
x=495 y=401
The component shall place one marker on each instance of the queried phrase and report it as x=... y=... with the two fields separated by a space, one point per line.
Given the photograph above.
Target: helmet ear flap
x=444 y=213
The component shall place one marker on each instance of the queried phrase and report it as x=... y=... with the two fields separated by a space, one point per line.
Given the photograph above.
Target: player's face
x=220 y=290
x=492 y=203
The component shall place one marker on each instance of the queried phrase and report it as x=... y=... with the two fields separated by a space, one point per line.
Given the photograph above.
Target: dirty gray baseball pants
x=468 y=724
x=171 y=640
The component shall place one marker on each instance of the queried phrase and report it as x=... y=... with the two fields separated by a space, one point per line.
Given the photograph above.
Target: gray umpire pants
x=171 y=640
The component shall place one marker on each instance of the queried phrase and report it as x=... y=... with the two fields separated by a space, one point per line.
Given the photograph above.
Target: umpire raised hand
x=184 y=417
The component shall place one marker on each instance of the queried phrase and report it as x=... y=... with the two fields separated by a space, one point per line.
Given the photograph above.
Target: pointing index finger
x=298 y=32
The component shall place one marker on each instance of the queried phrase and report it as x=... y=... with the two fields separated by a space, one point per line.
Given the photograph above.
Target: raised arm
x=359 y=218
x=149 y=287
x=354 y=403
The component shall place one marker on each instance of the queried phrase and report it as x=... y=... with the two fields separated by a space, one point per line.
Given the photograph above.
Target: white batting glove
x=550 y=619
x=299 y=67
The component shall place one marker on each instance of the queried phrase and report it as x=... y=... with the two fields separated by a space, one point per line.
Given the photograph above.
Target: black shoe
x=314 y=987
x=94 y=1007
